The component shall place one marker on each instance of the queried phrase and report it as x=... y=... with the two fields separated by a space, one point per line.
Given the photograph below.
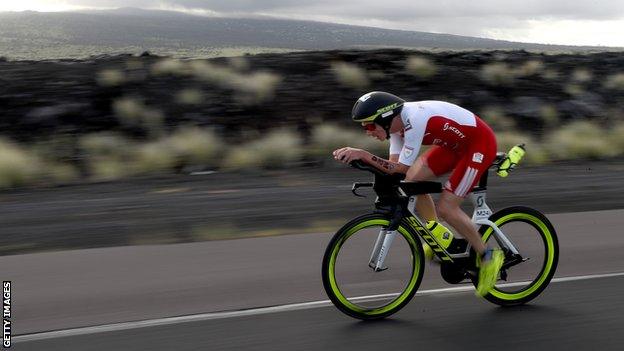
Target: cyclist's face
x=374 y=130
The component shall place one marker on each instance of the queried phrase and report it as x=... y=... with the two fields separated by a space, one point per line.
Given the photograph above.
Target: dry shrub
x=581 y=75
x=616 y=138
x=581 y=139
x=535 y=152
x=498 y=74
x=530 y=68
x=277 y=149
x=328 y=137
x=195 y=146
x=61 y=172
x=109 y=155
x=190 y=97
x=551 y=74
x=134 y=113
x=256 y=87
x=110 y=77
x=495 y=117
x=573 y=89
x=420 y=67
x=350 y=75
x=153 y=157
x=170 y=67
x=17 y=166
x=550 y=115
x=239 y=63
x=615 y=82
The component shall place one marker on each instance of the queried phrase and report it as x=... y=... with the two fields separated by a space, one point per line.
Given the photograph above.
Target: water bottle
x=513 y=157
x=441 y=233
x=443 y=236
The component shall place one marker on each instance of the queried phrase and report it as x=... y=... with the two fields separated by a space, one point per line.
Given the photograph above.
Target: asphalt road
x=575 y=315
x=79 y=288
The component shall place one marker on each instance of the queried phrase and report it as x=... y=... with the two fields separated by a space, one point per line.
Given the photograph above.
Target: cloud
x=520 y=20
x=394 y=9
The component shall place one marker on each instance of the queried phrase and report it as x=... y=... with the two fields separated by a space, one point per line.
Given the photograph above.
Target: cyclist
x=460 y=142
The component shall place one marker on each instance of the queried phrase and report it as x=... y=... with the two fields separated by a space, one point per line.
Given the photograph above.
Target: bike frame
x=480 y=216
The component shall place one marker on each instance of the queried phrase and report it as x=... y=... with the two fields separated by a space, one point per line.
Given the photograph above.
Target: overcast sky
x=575 y=22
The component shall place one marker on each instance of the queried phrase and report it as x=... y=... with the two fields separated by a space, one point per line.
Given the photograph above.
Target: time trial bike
x=374 y=264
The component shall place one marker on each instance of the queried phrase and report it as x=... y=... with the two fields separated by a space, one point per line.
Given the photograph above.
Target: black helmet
x=378 y=107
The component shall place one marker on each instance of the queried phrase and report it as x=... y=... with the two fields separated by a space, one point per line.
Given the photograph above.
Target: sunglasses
x=370 y=127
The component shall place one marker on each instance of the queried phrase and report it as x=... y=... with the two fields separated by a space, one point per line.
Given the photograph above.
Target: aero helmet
x=378 y=107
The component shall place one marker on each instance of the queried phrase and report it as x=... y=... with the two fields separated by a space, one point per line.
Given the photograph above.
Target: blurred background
x=191 y=121
x=171 y=94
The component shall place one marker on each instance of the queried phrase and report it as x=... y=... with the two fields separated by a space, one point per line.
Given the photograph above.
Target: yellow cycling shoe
x=490 y=265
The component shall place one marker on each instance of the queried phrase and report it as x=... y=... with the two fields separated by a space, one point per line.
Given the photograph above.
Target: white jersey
x=431 y=123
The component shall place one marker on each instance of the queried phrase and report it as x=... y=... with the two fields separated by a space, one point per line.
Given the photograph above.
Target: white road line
x=256 y=311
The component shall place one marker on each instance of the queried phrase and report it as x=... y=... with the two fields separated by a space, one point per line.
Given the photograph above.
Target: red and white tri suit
x=460 y=141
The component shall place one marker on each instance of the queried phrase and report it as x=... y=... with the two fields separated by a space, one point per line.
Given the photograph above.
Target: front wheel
x=357 y=288
x=525 y=276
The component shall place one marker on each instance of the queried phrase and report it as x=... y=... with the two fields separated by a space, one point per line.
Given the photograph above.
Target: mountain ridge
x=169 y=32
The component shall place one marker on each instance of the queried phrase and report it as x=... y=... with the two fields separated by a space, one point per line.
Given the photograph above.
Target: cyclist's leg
x=431 y=164
x=450 y=210
x=474 y=162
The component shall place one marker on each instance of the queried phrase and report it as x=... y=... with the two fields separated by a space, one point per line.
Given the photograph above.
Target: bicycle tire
x=549 y=263
x=332 y=251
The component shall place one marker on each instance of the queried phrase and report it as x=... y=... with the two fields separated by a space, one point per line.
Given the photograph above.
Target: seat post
x=482 y=182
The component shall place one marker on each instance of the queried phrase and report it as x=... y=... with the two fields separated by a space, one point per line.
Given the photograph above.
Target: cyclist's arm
x=391 y=166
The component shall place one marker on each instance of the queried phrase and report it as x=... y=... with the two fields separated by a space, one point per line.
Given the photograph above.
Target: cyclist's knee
x=419 y=171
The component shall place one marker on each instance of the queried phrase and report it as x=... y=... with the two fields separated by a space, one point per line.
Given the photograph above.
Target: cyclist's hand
x=348 y=154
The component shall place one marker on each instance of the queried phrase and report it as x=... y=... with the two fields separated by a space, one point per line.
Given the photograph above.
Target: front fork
x=380 y=250
x=384 y=240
